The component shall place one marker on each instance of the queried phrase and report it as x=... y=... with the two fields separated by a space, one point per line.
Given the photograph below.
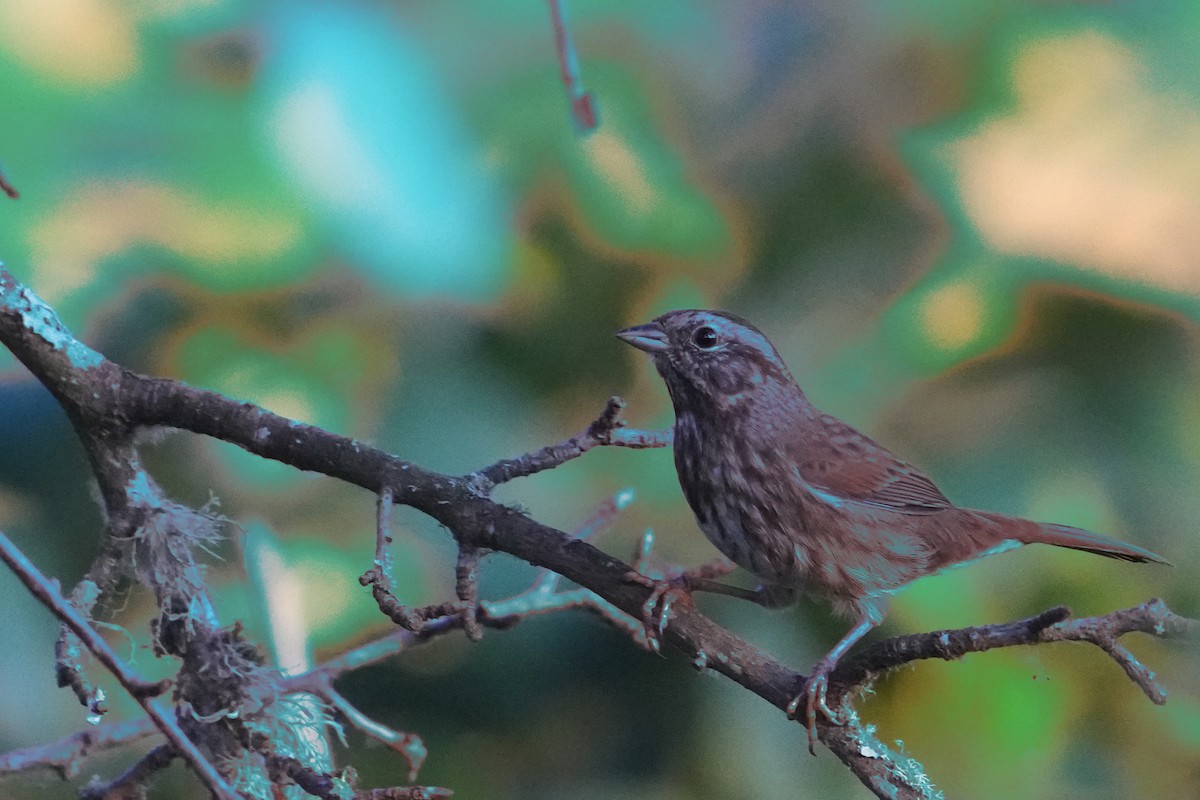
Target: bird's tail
x=1077 y=539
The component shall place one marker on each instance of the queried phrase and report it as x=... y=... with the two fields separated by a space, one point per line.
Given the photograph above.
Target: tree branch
x=583 y=104
x=65 y=755
x=142 y=691
x=1152 y=617
x=409 y=745
x=131 y=783
x=381 y=570
x=102 y=396
x=607 y=429
x=6 y=186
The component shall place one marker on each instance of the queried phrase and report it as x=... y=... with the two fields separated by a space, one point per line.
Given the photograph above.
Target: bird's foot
x=813 y=697
x=656 y=611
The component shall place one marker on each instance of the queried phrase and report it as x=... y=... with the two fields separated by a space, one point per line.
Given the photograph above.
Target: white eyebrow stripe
x=734 y=330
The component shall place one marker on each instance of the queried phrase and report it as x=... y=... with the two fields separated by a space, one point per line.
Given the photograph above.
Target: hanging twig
x=583 y=104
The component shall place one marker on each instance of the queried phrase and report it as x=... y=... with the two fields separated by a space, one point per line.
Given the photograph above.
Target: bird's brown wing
x=837 y=459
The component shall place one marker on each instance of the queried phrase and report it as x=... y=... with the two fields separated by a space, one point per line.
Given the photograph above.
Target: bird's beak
x=649 y=337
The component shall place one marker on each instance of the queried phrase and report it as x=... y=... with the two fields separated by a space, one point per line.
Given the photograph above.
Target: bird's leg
x=764 y=595
x=667 y=590
x=656 y=611
x=817 y=684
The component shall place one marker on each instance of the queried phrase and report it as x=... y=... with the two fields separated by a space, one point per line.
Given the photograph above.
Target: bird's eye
x=705 y=338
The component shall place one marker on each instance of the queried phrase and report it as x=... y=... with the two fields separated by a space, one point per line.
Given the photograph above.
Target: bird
x=802 y=500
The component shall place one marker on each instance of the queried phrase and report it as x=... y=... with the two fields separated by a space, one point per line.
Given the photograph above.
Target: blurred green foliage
x=970 y=228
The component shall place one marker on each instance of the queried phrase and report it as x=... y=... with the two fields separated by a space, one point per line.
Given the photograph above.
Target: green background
x=971 y=228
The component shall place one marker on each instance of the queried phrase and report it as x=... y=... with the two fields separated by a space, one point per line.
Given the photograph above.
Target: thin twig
x=1152 y=617
x=499 y=614
x=64 y=755
x=715 y=568
x=383 y=588
x=416 y=620
x=69 y=673
x=583 y=104
x=404 y=793
x=541 y=598
x=383 y=539
x=7 y=187
x=47 y=592
x=364 y=655
x=604 y=515
x=379 y=576
x=466 y=586
x=548 y=580
x=68 y=650
x=285 y=769
x=408 y=745
x=132 y=782
x=607 y=429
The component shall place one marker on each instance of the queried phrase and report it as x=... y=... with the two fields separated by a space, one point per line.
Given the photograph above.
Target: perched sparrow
x=804 y=501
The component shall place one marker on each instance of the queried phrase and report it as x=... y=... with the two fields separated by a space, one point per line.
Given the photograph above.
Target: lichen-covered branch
x=107 y=402
x=142 y=691
x=65 y=755
x=286 y=769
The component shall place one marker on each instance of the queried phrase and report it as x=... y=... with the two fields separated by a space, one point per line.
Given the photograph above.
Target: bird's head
x=711 y=358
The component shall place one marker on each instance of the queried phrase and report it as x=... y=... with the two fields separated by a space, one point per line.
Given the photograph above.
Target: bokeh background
x=971 y=228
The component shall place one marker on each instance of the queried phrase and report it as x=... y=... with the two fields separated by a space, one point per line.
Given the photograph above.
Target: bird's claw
x=656 y=611
x=814 y=698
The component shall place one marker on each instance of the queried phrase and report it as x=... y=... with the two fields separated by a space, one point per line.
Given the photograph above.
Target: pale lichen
x=40 y=319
